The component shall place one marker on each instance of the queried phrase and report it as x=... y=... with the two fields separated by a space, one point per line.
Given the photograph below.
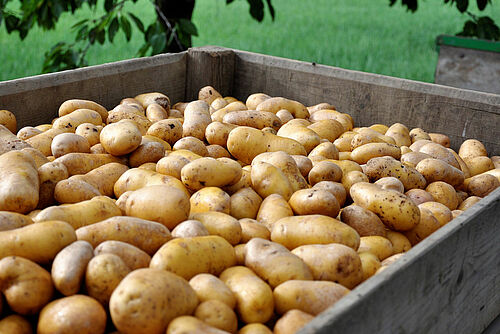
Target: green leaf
x=82 y=33
x=158 y=43
x=127 y=28
x=137 y=22
x=108 y=5
x=188 y=27
x=481 y=4
x=462 y=5
x=271 y=8
x=11 y=22
x=142 y=51
x=79 y=23
x=113 y=28
x=256 y=9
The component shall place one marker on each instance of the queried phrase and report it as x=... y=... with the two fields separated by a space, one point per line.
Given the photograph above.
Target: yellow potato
x=169 y=130
x=98 y=149
x=312 y=297
x=304 y=164
x=353 y=177
x=11 y=220
x=193 y=325
x=27 y=132
x=72 y=120
x=144 y=234
x=137 y=178
x=172 y=165
x=439 y=211
x=335 y=188
x=251 y=228
x=154 y=97
x=210 y=199
x=273 y=208
x=400 y=134
x=314 y=201
x=196 y=119
x=221 y=224
x=390 y=183
x=43 y=141
x=481 y=185
x=132 y=256
x=210 y=287
x=255 y=329
x=90 y=132
x=443 y=193
x=413 y=158
x=275 y=104
x=254 y=298
x=428 y=224
x=129 y=114
x=478 y=165
x=190 y=228
x=9 y=142
x=380 y=246
x=217 y=314
x=217 y=151
x=218 y=103
x=8 y=120
x=217 y=133
x=120 y=138
x=329 y=129
x=364 y=221
x=208 y=94
x=456 y=213
x=296 y=231
x=147 y=300
x=400 y=243
x=252 y=118
x=284 y=116
x=418 y=134
x=380 y=167
x=245 y=203
x=344 y=119
x=419 y=196
x=255 y=99
x=218 y=115
x=391 y=259
x=27 y=287
x=15 y=324
x=82 y=163
x=468 y=202
x=65 y=143
x=147 y=152
x=192 y=144
x=69 y=106
x=438 y=151
x=369 y=264
x=68 y=268
x=291 y=322
x=210 y=172
x=239 y=250
x=325 y=171
x=368 y=151
x=298 y=131
x=471 y=148
x=155 y=112
x=268 y=179
x=188 y=257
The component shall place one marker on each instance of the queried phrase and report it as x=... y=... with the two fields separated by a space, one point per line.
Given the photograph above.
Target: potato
x=15 y=324
x=419 y=196
x=284 y=116
x=400 y=134
x=351 y=178
x=273 y=208
x=369 y=264
x=325 y=171
x=390 y=183
x=438 y=151
x=368 y=151
x=210 y=287
x=188 y=257
x=210 y=172
x=255 y=99
x=275 y=104
x=144 y=234
x=245 y=203
x=314 y=201
x=312 y=297
x=193 y=325
x=65 y=143
x=478 y=165
x=411 y=159
x=97 y=182
x=380 y=246
x=329 y=129
x=49 y=175
x=169 y=130
x=155 y=112
x=255 y=329
x=440 y=138
x=443 y=193
x=9 y=142
x=296 y=231
x=189 y=228
x=468 y=202
x=219 y=103
x=210 y=199
x=8 y=120
x=418 y=134
x=268 y=179
x=68 y=268
x=218 y=116
x=208 y=94
x=221 y=224
x=378 y=168
x=344 y=119
x=297 y=130
x=82 y=213
x=274 y=263
x=471 y=148
x=400 y=243
x=37 y=242
x=456 y=213
x=74 y=119
x=82 y=163
x=217 y=314
x=217 y=133
x=391 y=259
x=19 y=183
x=326 y=150
x=304 y=164
x=364 y=221
x=172 y=165
x=292 y=321
x=217 y=151
x=69 y=106
x=335 y=188
x=161 y=295
x=481 y=185
x=90 y=132
x=245 y=143
x=251 y=228
x=98 y=149
x=133 y=257
x=439 y=211
x=129 y=114
x=11 y=220
x=192 y=144
x=427 y=225
x=196 y=119
x=120 y=138
x=104 y=273
x=146 y=99
x=27 y=132
x=254 y=298
x=395 y=210
x=252 y=118
x=146 y=152
x=27 y=287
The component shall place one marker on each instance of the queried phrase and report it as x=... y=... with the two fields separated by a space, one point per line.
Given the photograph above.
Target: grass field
x=365 y=35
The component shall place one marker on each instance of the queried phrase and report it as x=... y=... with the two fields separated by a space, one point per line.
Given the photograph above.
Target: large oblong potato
x=362 y=220
x=368 y=151
x=120 y=138
x=273 y=208
x=314 y=201
x=131 y=255
x=268 y=179
x=210 y=172
x=69 y=106
x=380 y=167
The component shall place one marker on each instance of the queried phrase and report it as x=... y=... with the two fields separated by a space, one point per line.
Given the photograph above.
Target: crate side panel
x=447 y=284
x=35 y=100
x=372 y=98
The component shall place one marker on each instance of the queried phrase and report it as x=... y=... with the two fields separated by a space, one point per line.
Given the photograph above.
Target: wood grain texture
x=448 y=283
x=35 y=100
x=372 y=98
x=209 y=66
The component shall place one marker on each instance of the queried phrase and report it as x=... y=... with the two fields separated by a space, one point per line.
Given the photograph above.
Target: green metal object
x=467 y=43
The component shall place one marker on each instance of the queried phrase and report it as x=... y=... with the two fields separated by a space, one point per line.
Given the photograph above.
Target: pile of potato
x=213 y=216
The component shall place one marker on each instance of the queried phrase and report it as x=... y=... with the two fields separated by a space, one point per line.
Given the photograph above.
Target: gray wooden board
x=469 y=69
x=372 y=98
x=449 y=283
x=35 y=100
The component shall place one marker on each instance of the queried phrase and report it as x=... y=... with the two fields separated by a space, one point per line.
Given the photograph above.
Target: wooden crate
x=449 y=283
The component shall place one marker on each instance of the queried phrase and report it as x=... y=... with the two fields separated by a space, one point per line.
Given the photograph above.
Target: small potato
x=162 y=295
x=443 y=193
x=68 y=268
x=69 y=106
x=245 y=203
x=390 y=183
x=208 y=94
x=275 y=104
x=146 y=99
x=172 y=165
x=192 y=144
x=327 y=150
x=380 y=167
x=329 y=129
x=104 y=273
x=438 y=151
x=314 y=201
x=193 y=325
x=221 y=224
x=291 y=322
x=369 y=264
x=147 y=152
x=65 y=143
x=481 y=185
x=372 y=150
x=210 y=172
x=74 y=119
x=27 y=287
x=120 y=138
x=297 y=129
x=144 y=234
x=440 y=138
x=284 y=116
x=209 y=287
x=312 y=297
x=440 y=212
x=196 y=119
x=254 y=298
x=27 y=132
x=255 y=329
x=273 y=208
x=219 y=103
x=128 y=113
x=82 y=163
x=254 y=119
x=468 y=202
x=418 y=134
x=427 y=225
x=413 y=158
x=155 y=112
x=169 y=130
x=217 y=314
x=189 y=228
x=90 y=132
x=11 y=220
x=251 y=228
x=335 y=188
x=472 y=148
x=325 y=171
x=97 y=149
x=351 y=178
x=400 y=243
x=15 y=324
x=364 y=221
x=161 y=203
x=304 y=164
x=419 y=196
x=332 y=262
x=218 y=132
x=255 y=99
x=268 y=179
x=133 y=257
x=210 y=199
x=380 y=246
x=188 y=257
x=400 y=134
x=8 y=120
x=217 y=151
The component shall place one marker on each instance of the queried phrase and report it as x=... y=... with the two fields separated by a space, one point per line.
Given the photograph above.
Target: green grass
x=365 y=35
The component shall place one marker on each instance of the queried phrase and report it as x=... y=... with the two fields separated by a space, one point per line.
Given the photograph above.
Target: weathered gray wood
x=449 y=283
x=209 y=66
x=468 y=69
x=372 y=98
x=35 y=100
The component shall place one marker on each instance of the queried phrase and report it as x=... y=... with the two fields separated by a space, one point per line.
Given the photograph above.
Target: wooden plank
x=448 y=283
x=209 y=66
x=372 y=98
x=35 y=100
x=468 y=69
